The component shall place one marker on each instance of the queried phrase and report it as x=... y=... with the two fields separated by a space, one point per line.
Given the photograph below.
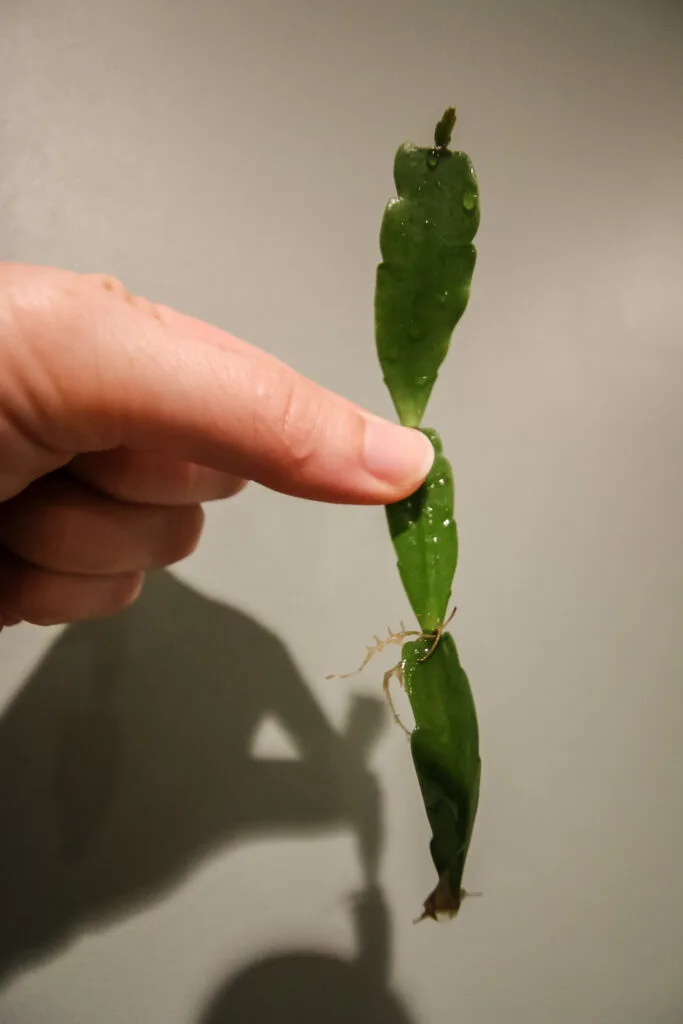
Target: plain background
x=195 y=827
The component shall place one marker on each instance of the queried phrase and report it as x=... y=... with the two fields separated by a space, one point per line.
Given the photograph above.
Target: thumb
x=86 y=367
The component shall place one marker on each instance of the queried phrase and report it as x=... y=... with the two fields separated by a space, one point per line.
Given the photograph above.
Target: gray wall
x=188 y=811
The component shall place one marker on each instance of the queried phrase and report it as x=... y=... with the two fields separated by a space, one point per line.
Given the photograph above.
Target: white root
x=381 y=645
x=397 y=671
x=378 y=647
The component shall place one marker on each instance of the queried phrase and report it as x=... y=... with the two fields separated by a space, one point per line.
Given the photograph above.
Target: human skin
x=120 y=417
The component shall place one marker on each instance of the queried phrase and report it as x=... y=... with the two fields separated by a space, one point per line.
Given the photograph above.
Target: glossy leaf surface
x=423 y=281
x=445 y=748
x=425 y=538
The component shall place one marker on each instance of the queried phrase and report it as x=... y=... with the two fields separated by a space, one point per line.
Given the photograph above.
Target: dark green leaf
x=426 y=541
x=423 y=282
x=445 y=747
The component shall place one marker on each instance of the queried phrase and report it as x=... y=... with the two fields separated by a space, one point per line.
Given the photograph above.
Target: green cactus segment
x=425 y=538
x=422 y=290
x=423 y=282
x=445 y=748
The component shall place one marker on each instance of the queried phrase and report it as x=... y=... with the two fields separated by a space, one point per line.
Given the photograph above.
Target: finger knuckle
x=127 y=592
x=45 y=328
x=35 y=298
x=298 y=425
x=183 y=534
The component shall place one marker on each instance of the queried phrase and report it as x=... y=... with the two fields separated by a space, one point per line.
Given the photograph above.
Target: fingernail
x=396 y=455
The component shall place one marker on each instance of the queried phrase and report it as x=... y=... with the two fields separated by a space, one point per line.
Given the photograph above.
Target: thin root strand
x=378 y=647
x=381 y=645
x=397 y=671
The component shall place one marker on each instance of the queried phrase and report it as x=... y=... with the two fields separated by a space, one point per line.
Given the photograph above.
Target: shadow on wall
x=307 y=987
x=126 y=757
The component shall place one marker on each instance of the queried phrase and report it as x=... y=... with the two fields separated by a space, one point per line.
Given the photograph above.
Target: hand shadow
x=126 y=757
x=308 y=987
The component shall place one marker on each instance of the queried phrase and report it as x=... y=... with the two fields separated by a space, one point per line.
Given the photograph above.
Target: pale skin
x=120 y=418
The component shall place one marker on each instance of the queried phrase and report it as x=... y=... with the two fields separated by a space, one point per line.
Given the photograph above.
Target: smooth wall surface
x=196 y=828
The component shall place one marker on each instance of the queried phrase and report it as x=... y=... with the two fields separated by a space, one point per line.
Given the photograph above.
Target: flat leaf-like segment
x=425 y=539
x=423 y=281
x=445 y=748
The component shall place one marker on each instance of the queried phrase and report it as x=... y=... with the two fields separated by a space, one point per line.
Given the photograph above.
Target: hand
x=119 y=418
